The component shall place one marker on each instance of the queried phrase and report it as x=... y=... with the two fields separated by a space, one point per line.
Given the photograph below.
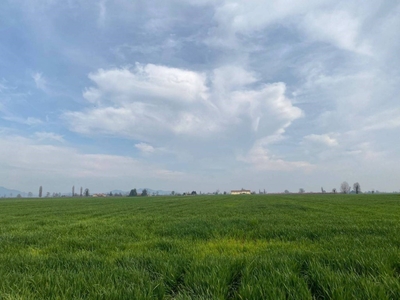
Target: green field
x=201 y=247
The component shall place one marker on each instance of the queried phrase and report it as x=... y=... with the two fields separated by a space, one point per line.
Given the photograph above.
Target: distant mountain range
x=4 y=192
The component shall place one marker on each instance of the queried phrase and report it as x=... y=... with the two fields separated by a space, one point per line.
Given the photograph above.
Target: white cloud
x=384 y=120
x=324 y=139
x=242 y=17
x=48 y=136
x=145 y=148
x=102 y=12
x=27 y=121
x=185 y=111
x=40 y=81
x=150 y=102
x=3 y=85
x=157 y=82
x=336 y=27
x=262 y=160
x=320 y=21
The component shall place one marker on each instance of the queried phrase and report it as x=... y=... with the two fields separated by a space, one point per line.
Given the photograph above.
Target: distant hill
x=4 y=192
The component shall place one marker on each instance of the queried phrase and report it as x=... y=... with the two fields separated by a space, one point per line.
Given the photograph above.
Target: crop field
x=201 y=247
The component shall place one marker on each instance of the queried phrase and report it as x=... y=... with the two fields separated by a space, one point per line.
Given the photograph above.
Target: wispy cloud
x=102 y=12
x=40 y=81
x=323 y=139
x=145 y=148
x=48 y=136
x=27 y=121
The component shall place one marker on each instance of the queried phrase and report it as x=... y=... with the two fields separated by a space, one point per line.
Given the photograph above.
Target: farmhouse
x=240 y=192
x=100 y=195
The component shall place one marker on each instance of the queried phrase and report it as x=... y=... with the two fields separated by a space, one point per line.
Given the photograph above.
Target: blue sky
x=199 y=95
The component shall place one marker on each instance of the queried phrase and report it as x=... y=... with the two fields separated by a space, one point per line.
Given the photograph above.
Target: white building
x=240 y=192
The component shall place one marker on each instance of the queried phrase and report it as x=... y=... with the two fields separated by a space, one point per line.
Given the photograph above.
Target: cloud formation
x=230 y=91
x=150 y=101
x=157 y=104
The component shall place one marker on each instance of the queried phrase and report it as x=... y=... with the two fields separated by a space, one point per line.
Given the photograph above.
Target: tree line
x=85 y=193
x=344 y=189
x=134 y=193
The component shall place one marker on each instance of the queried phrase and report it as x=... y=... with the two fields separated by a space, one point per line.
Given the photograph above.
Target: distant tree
x=357 y=188
x=110 y=194
x=47 y=194
x=194 y=193
x=81 y=192
x=345 y=187
x=287 y=192
x=144 y=193
x=173 y=193
x=217 y=192
x=30 y=194
x=86 y=193
x=224 y=192
x=322 y=190
x=334 y=190
x=19 y=196
x=73 y=191
x=301 y=191
x=40 y=191
x=132 y=193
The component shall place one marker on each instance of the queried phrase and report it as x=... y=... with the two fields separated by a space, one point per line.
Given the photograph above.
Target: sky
x=199 y=95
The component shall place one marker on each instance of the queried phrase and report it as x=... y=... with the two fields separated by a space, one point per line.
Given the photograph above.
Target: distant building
x=240 y=192
x=99 y=195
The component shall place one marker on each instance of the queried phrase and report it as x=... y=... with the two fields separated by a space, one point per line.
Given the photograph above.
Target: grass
x=201 y=247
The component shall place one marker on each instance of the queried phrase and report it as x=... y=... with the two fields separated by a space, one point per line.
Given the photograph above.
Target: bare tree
x=334 y=190
x=301 y=191
x=40 y=191
x=345 y=187
x=357 y=188
x=87 y=192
